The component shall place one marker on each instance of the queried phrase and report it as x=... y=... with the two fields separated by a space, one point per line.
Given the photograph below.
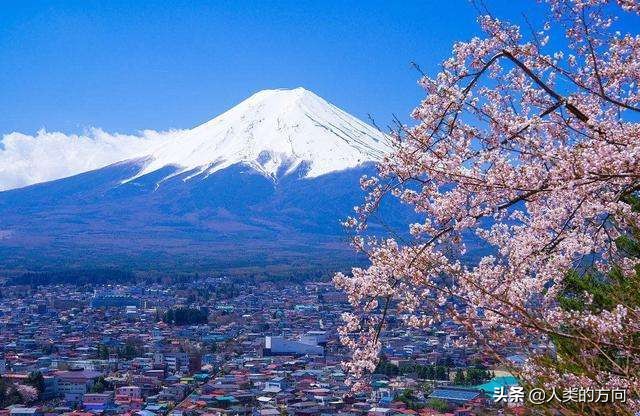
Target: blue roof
x=456 y=395
x=497 y=382
x=226 y=398
x=385 y=400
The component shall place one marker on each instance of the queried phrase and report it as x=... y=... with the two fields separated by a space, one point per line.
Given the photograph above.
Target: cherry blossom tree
x=529 y=140
x=28 y=394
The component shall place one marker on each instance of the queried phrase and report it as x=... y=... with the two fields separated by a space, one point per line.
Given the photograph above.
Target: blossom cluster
x=534 y=151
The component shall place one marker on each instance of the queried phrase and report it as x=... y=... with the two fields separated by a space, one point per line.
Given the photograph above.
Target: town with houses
x=222 y=346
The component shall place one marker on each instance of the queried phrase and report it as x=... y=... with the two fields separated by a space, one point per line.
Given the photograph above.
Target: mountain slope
x=260 y=187
x=95 y=220
x=275 y=132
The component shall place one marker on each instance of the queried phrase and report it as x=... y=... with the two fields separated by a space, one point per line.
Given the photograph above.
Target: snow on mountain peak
x=274 y=131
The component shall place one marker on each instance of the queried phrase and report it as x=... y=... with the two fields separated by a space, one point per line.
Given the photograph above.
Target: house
x=267 y=411
x=97 y=402
x=73 y=384
x=26 y=411
x=276 y=384
x=379 y=411
x=133 y=392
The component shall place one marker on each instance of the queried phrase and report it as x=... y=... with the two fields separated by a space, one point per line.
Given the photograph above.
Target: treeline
x=409 y=398
x=472 y=376
x=427 y=372
x=72 y=276
x=131 y=349
x=186 y=316
x=90 y=276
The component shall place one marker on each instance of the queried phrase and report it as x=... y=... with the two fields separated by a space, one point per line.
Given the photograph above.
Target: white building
x=314 y=338
x=283 y=346
x=133 y=392
x=73 y=385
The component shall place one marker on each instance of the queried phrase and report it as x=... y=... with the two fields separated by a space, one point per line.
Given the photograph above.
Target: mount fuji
x=262 y=186
x=275 y=132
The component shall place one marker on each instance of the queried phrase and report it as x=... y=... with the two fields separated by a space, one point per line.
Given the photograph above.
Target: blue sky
x=125 y=66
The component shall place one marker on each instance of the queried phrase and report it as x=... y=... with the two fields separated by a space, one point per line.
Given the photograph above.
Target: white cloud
x=25 y=160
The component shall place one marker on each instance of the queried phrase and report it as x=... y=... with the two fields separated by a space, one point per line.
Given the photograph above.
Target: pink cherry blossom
x=533 y=149
x=28 y=394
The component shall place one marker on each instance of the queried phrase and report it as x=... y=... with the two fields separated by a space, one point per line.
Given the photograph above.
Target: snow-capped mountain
x=275 y=132
x=264 y=184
